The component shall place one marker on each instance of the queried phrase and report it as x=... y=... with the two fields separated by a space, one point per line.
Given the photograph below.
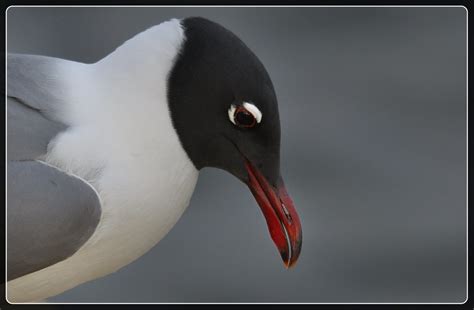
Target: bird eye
x=246 y=115
x=244 y=118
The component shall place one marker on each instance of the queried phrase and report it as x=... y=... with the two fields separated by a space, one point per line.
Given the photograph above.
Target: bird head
x=224 y=109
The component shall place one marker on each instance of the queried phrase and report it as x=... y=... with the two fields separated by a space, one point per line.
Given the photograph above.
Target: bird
x=103 y=157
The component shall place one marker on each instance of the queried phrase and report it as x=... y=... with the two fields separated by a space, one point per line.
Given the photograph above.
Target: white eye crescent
x=254 y=110
x=231 y=112
x=245 y=115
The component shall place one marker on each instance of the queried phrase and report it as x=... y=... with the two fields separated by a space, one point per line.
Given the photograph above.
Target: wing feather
x=50 y=215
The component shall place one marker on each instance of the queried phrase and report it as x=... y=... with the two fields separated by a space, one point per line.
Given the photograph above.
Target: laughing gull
x=103 y=158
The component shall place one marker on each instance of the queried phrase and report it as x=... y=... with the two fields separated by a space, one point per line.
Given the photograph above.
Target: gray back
x=28 y=131
x=35 y=81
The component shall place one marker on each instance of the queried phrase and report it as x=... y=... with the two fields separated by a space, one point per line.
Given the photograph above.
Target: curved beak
x=283 y=222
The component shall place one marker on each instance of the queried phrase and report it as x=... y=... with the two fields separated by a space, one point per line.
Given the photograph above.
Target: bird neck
x=118 y=107
x=147 y=56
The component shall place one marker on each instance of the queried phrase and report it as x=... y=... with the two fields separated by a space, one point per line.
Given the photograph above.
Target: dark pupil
x=244 y=118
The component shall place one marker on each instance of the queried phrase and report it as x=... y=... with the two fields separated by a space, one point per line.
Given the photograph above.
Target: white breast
x=123 y=143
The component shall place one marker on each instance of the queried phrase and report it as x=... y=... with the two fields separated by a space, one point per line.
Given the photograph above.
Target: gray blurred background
x=373 y=111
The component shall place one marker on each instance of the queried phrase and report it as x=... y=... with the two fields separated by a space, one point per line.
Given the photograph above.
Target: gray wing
x=50 y=214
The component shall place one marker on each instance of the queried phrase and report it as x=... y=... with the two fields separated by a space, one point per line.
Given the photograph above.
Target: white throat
x=123 y=142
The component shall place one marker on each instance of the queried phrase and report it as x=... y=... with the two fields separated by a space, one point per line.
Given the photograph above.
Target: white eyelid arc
x=231 y=113
x=254 y=110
